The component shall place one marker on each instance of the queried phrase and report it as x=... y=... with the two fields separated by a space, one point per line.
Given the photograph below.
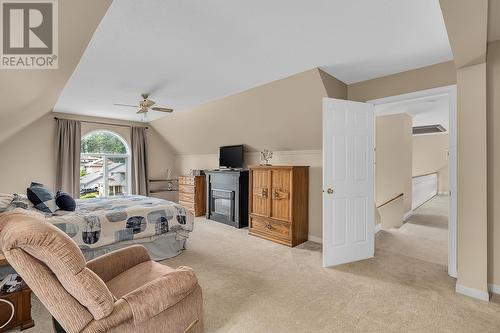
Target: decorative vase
x=266 y=156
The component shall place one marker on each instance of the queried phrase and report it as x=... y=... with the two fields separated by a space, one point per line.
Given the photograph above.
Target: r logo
x=29 y=28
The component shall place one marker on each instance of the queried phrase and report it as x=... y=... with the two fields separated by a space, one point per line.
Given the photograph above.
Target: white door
x=348 y=188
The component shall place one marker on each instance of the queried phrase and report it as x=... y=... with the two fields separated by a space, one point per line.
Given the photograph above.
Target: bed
x=102 y=225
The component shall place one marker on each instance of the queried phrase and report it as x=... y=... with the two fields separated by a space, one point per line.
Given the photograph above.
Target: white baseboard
x=407 y=215
x=474 y=293
x=446 y=193
x=494 y=288
x=378 y=227
x=314 y=239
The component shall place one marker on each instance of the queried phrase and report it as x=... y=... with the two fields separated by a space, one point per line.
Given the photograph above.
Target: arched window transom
x=104 y=165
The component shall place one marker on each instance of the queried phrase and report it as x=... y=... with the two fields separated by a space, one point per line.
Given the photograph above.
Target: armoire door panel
x=261 y=192
x=281 y=180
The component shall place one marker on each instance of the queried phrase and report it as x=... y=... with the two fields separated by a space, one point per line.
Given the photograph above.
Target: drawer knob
x=268 y=226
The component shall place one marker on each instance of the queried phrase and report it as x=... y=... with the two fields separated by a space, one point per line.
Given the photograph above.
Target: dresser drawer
x=187 y=189
x=270 y=227
x=186 y=197
x=187 y=205
x=186 y=181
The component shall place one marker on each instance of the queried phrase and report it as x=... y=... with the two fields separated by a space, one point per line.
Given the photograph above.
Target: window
x=104 y=165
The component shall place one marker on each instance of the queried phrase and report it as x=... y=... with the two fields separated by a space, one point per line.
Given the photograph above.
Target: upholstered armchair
x=123 y=291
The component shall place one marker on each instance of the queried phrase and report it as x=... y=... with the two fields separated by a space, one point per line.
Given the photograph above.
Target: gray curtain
x=68 y=140
x=140 y=182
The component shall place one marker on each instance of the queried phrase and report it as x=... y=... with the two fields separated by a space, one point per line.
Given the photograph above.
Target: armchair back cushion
x=43 y=241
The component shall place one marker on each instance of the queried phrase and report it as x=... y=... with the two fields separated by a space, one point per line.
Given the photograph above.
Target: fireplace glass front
x=222 y=203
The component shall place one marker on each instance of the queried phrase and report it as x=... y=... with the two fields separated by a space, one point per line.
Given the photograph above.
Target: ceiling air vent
x=428 y=129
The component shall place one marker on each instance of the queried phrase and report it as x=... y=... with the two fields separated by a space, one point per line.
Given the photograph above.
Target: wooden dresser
x=279 y=198
x=192 y=194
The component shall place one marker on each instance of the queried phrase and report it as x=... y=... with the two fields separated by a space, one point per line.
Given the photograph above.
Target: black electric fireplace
x=227 y=201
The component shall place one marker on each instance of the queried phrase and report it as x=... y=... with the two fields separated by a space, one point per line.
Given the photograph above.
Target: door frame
x=451 y=91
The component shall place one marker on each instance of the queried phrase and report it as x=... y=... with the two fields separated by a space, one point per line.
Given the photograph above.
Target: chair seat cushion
x=136 y=277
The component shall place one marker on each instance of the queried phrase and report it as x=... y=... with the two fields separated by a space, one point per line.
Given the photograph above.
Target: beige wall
x=439 y=75
x=29 y=155
x=312 y=158
x=430 y=155
x=467 y=25
x=493 y=127
x=282 y=115
x=472 y=181
x=393 y=167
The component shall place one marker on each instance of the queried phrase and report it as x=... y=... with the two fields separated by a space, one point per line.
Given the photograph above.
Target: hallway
x=424 y=235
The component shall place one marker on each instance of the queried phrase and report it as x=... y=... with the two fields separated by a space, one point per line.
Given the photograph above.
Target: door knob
x=330 y=190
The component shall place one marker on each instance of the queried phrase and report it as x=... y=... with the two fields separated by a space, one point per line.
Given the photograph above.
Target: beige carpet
x=253 y=285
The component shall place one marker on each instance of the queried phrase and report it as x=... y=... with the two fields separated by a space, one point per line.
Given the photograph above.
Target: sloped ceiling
x=27 y=95
x=191 y=52
x=282 y=115
x=467 y=27
x=493 y=20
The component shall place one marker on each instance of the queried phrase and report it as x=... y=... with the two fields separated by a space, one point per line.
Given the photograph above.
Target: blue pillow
x=65 y=201
x=41 y=197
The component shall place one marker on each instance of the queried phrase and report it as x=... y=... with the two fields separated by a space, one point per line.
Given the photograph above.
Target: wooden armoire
x=279 y=197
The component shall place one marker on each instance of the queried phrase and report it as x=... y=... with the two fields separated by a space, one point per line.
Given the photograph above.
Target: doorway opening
x=415 y=172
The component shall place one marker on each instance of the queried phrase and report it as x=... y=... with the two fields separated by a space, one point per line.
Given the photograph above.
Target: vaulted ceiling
x=27 y=95
x=187 y=53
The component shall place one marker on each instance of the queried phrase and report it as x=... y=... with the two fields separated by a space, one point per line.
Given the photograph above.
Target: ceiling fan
x=146 y=104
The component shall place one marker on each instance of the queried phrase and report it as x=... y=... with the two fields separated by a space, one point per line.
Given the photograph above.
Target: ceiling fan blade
x=156 y=108
x=129 y=105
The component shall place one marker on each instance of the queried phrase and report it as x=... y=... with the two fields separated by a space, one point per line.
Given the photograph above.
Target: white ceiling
x=190 y=52
x=430 y=110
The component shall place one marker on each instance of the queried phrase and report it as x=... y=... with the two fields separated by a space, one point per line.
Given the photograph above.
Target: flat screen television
x=231 y=157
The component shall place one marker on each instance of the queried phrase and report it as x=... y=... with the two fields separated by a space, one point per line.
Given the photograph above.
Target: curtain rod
x=100 y=123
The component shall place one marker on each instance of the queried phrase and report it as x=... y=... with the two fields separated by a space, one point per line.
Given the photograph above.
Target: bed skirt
x=160 y=247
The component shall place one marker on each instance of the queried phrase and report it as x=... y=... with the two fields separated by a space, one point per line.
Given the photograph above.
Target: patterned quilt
x=103 y=221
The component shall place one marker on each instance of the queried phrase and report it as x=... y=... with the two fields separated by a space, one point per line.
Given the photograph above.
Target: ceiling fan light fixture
x=146 y=105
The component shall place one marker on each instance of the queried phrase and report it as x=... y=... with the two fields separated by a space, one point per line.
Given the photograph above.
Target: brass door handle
x=330 y=190
x=264 y=193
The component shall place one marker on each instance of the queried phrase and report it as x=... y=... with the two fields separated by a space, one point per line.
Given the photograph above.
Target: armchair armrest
x=158 y=295
x=121 y=314
x=114 y=263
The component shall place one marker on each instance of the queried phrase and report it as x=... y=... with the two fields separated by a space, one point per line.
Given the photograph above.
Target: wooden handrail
x=391 y=200
x=425 y=175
